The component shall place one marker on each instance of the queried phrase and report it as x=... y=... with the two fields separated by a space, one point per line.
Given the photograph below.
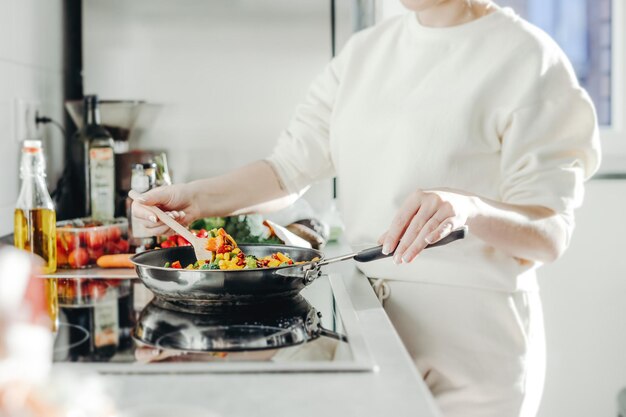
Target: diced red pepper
x=176 y=265
x=224 y=249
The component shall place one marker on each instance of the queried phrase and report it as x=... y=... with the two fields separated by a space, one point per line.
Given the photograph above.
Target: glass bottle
x=143 y=179
x=35 y=217
x=100 y=166
x=162 y=173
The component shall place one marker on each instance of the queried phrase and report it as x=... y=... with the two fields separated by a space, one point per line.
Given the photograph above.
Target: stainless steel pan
x=200 y=287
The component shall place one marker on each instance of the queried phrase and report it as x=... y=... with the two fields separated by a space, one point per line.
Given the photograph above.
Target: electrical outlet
x=24 y=119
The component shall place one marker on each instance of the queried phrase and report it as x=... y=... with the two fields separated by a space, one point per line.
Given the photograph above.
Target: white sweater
x=491 y=107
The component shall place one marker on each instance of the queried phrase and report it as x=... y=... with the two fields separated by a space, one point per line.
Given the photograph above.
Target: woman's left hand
x=425 y=217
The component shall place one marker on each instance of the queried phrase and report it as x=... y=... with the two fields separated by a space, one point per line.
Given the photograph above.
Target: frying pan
x=187 y=287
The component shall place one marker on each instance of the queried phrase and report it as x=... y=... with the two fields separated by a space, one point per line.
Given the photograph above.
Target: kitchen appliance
x=315 y=331
x=182 y=288
x=119 y=117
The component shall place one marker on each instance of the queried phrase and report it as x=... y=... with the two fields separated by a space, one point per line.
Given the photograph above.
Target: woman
x=458 y=113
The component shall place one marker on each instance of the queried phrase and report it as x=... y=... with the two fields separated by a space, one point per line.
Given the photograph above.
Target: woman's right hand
x=176 y=200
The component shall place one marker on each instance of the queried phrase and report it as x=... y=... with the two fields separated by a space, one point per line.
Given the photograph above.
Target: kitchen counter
x=394 y=388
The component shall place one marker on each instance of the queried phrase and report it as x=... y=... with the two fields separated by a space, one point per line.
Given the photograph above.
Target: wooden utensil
x=199 y=244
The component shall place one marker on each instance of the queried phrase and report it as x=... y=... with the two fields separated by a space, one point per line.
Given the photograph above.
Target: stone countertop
x=395 y=388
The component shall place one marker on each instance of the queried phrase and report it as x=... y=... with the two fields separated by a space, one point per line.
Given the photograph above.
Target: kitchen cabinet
x=584 y=297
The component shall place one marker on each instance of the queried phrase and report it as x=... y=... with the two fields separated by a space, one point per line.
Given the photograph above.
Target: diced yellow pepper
x=190 y=266
x=282 y=257
x=201 y=262
x=227 y=256
x=236 y=250
x=274 y=263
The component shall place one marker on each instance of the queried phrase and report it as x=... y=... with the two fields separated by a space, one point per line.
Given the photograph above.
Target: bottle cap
x=31 y=146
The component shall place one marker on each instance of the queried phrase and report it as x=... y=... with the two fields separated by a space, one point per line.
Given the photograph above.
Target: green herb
x=251 y=262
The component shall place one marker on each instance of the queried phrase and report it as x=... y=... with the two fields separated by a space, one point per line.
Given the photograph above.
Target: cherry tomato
x=82 y=237
x=166 y=244
x=202 y=233
x=70 y=241
x=61 y=247
x=110 y=247
x=61 y=257
x=94 y=254
x=95 y=239
x=122 y=246
x=114 y=234
x=78 y=258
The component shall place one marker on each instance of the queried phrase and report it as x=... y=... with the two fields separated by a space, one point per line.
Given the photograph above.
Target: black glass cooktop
x=115 y=322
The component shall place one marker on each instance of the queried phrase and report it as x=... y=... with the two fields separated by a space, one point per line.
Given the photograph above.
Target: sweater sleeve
x=549 y=148
x=302 y=153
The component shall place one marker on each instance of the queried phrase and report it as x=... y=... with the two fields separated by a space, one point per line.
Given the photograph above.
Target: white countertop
x=395 y=388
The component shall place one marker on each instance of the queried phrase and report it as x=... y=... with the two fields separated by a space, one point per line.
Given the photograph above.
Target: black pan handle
x=333 y=335
x=372 y=254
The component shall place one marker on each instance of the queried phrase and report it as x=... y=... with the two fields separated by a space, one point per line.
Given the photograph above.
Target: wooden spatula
x=199 y=244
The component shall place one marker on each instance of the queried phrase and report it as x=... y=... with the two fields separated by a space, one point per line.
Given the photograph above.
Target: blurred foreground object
x=26 y=346
x=25 y=337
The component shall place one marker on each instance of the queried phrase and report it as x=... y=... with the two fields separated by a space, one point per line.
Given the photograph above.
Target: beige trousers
x=481 y=353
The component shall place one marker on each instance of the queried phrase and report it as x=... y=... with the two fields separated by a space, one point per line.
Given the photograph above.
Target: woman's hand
x=425 y=217
x=176 y=200
x=251 y=188
x=525 y=232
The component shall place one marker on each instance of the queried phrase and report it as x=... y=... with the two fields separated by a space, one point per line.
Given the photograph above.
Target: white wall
x=584 y=296
x=30 y=69
x=229 y=73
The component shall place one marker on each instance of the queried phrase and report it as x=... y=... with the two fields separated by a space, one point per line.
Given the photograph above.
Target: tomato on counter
x=114 y=233
x=81 y=242
x=123 y=246
x=95 y=239
x=78 y=258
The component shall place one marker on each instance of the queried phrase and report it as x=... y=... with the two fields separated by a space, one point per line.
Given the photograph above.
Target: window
x=583 y=29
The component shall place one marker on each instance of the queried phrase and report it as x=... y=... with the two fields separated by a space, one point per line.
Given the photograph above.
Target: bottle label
x=106 y=320
x=102 y=177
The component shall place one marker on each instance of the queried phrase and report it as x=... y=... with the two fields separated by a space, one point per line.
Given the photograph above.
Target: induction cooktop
x=105 y=325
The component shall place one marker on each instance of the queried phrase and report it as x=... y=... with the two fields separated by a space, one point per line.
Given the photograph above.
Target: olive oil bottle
x=35 y=218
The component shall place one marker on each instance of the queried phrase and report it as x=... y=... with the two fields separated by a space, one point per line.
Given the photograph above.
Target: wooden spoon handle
x=173 y=224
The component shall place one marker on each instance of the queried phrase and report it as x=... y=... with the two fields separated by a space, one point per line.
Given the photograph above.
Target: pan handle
x=333 y=335
x=372 y=254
